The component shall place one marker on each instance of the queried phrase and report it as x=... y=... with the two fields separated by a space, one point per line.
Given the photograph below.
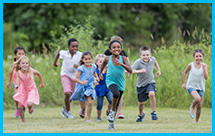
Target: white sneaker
x=111 y=126
x=64 y=113
x=70 y=116
x=111 y=116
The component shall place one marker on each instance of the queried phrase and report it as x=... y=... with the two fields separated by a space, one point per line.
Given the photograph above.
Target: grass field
x=50 y=120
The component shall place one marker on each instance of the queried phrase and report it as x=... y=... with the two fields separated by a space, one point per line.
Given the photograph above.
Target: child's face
x=198 y=57
x=19 y=54
x=73 y=48
x=87 y=60
x=24 y=64
x=116 y=48
x=99 y=62
x=145 y=55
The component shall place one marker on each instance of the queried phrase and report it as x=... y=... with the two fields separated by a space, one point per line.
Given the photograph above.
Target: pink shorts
x=68 y=84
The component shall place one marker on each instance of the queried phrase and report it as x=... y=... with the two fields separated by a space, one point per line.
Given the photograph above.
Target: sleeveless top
x=196 y=78
x=115 y=74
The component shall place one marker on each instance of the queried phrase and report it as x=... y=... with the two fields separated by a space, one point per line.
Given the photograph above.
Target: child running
x=101 y=88
x=115 y=79
x=27 y=93
x=84 y=90
x=196 y=82
x=143 y=67
x=70 y=58
x=18 y=52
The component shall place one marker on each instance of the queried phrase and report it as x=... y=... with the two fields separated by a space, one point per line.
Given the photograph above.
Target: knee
x=20 y=106
x=90 y=103
x=99 y=107
x=198 y=100
x=141 y=103
x=67 y=95
x=151 y=95
x=116 y=94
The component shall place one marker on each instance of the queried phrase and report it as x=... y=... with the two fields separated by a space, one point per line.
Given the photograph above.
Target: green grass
x=50 y=120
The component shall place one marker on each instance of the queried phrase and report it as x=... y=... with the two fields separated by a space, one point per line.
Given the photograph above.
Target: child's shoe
x=191 y=115
x=120 y=116
x=111 y=116
x=82 y=113
x=98 y=119
x=154 y=115
x=69 y=115
x=31 y=110
x=17 y=113
x=64 y=113
x=111 y=126
x=140 y=118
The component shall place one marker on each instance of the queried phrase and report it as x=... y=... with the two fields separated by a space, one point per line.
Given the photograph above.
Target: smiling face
x=145 y=55
x=87 y=60
x=116 y=48
x=24 y=64
x=198 y=57
x=73 y=47
x=19 y=54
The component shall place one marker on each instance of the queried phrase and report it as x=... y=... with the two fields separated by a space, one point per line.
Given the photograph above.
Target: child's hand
x=203 y=65
x=8 y=85
x=143 y=70
x=96 y=83
x=57 y=63
x=85 y=82
x=184 y=85
x=75 y=66
x=158 y=74
x=101 y=76
x=117 y=62
x=41 y=85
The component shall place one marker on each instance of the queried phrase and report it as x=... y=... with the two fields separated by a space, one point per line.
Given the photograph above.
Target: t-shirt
x=108 y=53
x=144 y=78
x=69 y=61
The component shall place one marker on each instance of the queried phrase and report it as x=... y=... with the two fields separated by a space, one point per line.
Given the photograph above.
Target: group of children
x=84 y=81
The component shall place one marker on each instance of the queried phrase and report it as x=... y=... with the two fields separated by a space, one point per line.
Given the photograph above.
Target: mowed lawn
x=50 y=120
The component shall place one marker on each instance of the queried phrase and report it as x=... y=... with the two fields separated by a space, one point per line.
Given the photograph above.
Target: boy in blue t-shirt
x=143 y=67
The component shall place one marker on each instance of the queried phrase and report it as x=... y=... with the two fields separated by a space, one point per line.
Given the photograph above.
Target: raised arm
x=56 y=59
x=205 y=70
x=126 y=64
x=35 y=72
x=185 y=75
x=158 y=69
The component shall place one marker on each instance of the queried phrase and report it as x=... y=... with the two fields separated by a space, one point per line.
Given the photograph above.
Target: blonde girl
x=26 y=92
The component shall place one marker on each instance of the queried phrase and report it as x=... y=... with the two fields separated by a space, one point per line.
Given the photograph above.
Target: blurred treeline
x=33 y=25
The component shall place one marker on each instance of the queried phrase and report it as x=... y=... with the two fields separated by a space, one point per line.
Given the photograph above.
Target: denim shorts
x=200 y=92
x=143 y=92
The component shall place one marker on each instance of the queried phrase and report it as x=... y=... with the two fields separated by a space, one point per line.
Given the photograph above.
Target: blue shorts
x=143 y=92
x=200 y=92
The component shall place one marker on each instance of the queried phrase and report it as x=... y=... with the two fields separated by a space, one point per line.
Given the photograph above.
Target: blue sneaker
x=140 y=118
x=154 y=115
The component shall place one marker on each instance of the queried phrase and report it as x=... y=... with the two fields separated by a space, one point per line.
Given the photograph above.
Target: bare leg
x=141 y=106
x=120 y=105
x=199 y=109
x=152 y=100
x=21 y=112
x=99 y=112
x=82 y=104
x=109 y=107
x=67 y=100
x=196 y=100
x=114 y=103
x=89 y=106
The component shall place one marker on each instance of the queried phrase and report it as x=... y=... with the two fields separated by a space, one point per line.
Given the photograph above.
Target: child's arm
x=56 y=63
x=17 y=82
x=134 y=71
x=77 y=79
x=11 y=75
x=185 y=75
x=158 y=68
x=35 y=72
x=105 y=62
x=96 y=76
x=126 y=64
x=205 y=70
